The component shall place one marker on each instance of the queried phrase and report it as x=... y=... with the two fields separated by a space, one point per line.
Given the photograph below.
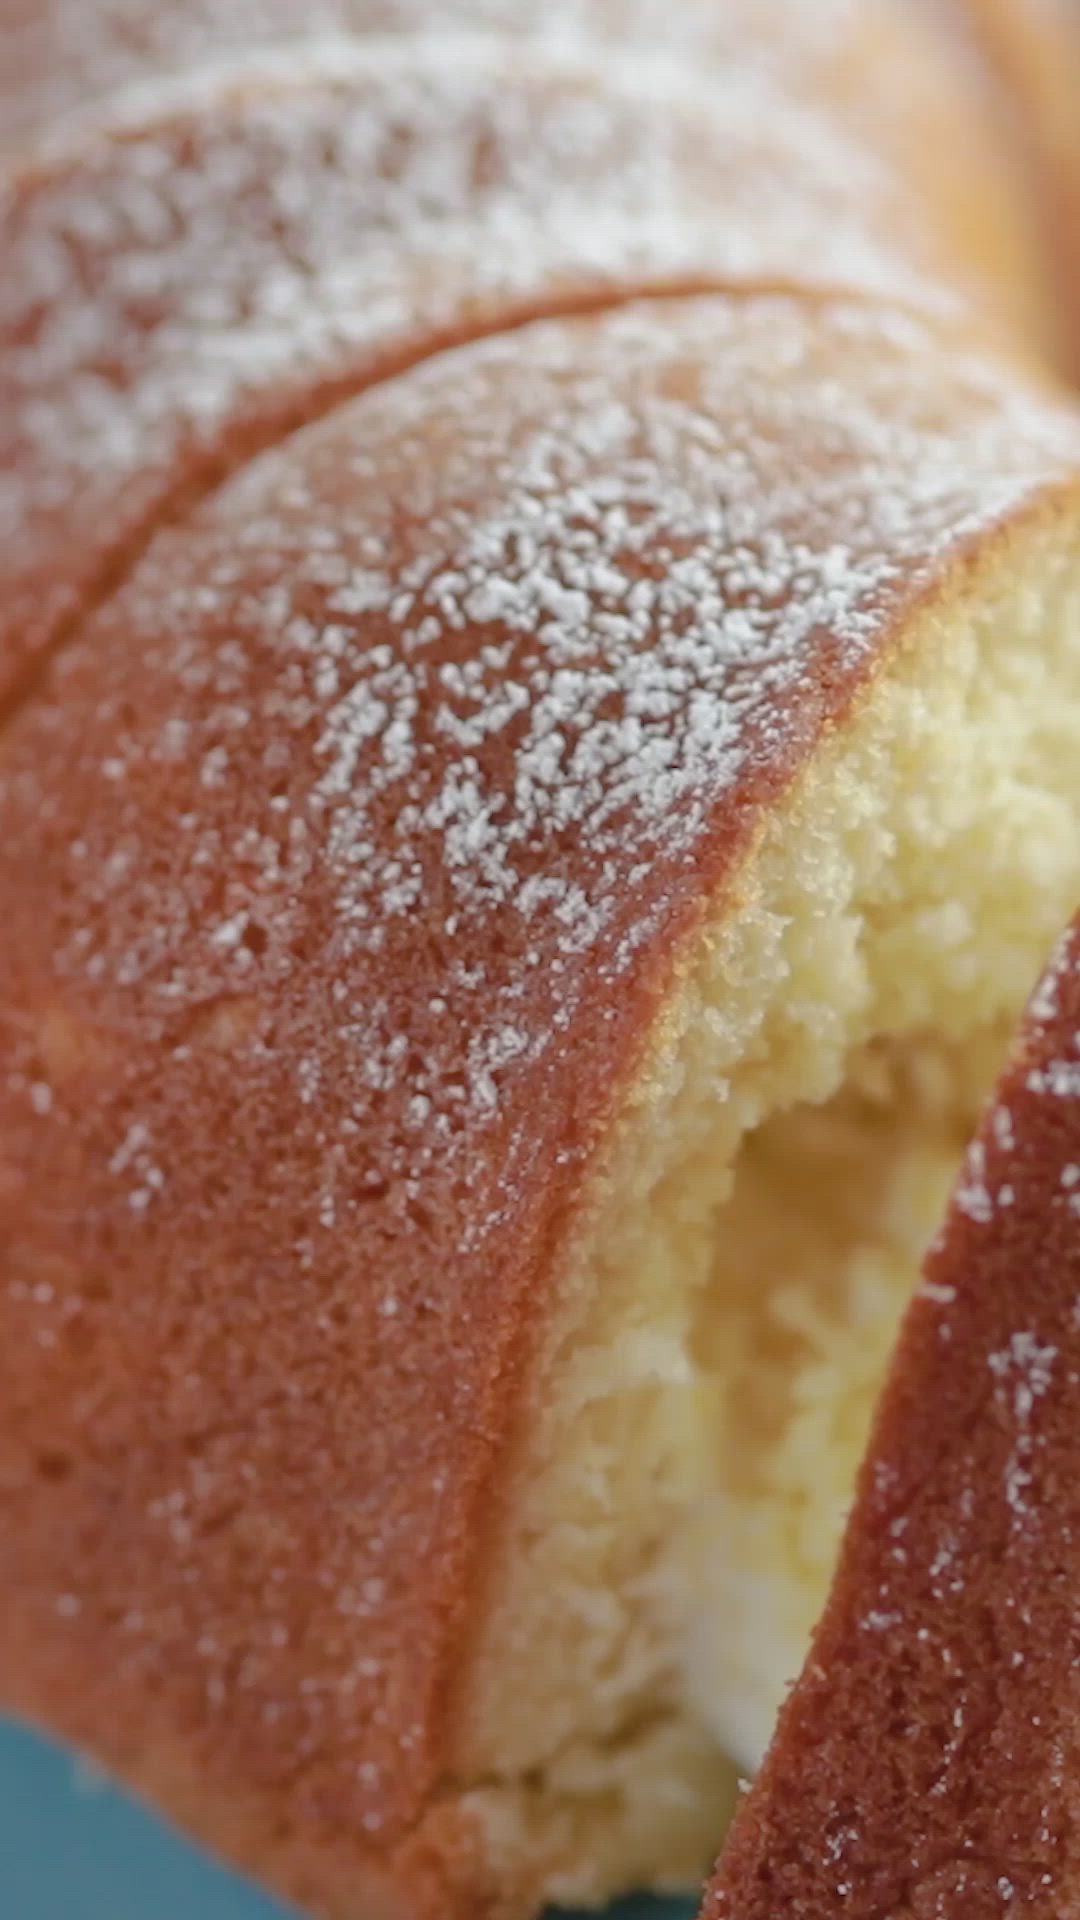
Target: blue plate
x=71 y=1849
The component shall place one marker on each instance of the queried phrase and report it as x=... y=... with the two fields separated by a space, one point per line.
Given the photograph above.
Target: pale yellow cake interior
x=756 y=1234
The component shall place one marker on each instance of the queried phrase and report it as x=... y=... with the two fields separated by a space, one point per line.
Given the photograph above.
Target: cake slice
x=581 y=817
x=540 y=659
x=926 y=1763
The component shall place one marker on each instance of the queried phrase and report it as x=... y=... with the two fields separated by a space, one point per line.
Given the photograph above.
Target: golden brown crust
x=347 y=855
x=188 y=282
x=926 y=1763
x=193 y=274
x=348 y=847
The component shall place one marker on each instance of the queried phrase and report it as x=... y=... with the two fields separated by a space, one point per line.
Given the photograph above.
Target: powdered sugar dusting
x=1046 y=998
x=374 y=806
x=360 y=826
x=972 y=1194
x=192 y=279
x=57 y=54
x=1023 y=1373
x=610 y=589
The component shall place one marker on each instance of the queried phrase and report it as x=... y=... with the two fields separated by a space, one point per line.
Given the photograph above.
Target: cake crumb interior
x=831 y=1212
x=781 y=1165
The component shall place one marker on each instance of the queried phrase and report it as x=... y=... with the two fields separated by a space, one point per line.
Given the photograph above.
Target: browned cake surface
x=405 y=631
x=189 y=281
x=927 y=1762
x=200 y=266
x=343 y=855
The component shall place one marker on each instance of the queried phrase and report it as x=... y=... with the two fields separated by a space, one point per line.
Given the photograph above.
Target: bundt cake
x=540 y=659
x=1029 y=51
x=926 y=1763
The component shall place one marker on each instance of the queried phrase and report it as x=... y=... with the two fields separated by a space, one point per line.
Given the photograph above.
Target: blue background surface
x=71 y=1849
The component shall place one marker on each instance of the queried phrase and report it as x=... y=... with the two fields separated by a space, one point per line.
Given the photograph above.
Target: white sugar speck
x=1023 y=1371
